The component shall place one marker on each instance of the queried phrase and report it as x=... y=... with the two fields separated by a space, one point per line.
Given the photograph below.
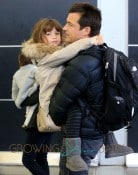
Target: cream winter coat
x=49 y=60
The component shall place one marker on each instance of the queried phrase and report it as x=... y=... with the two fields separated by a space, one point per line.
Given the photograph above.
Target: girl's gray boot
x=73 y=154
x=113 y=149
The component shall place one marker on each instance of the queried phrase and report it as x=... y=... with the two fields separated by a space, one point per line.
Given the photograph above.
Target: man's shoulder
x=88 y=56
x=85 y=62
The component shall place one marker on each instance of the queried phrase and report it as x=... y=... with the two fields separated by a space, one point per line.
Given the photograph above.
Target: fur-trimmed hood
x=37 y=50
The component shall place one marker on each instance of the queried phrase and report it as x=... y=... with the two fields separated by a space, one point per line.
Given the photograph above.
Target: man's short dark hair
x=90 y=16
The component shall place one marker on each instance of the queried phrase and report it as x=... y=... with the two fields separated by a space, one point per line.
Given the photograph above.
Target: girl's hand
x=97 y=40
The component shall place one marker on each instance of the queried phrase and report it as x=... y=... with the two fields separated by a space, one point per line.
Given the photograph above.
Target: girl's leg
x=73 y=141
x=113 y=149
x=62 y=165
x=34 y=144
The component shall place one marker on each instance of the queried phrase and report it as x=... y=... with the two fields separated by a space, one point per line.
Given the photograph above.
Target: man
x=82 y=84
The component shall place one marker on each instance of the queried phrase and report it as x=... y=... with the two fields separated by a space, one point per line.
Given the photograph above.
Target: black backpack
x=121 y=90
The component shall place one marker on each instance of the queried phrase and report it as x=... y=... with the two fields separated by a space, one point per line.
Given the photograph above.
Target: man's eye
x=71 y=25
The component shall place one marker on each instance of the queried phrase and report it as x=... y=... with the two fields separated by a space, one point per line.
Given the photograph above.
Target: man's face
x=72 y=28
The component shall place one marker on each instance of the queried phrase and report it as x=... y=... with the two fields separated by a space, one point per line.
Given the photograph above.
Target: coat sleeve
x=65 y=54
x=15 y=89
x=73 y=82
x=31 y=100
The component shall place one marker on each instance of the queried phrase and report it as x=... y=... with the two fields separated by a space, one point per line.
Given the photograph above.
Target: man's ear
x=87 y=31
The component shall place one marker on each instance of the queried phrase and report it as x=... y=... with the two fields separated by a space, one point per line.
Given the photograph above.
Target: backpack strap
x=115 y=62
x=115 y=66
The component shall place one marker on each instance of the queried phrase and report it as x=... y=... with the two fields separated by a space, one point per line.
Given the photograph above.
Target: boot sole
x=76 y=168
x=117 y=154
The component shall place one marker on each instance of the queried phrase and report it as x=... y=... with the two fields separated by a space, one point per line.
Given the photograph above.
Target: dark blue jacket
x=83 y=78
